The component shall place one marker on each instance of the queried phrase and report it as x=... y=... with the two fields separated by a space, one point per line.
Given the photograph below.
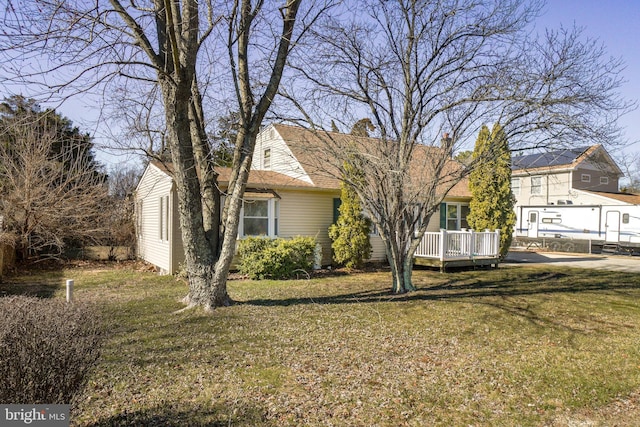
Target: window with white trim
x=515 y=186
x=585 y=177
x=259 y=217
x=604 y=180
x=536 y=185
x=266 y=159
x=457 y=216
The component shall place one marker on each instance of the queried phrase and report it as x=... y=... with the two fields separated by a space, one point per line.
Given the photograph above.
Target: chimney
x=447 y=144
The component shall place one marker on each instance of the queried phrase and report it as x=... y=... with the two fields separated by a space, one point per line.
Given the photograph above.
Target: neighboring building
x=287 y=195
x=573 y=194
x=577 y=176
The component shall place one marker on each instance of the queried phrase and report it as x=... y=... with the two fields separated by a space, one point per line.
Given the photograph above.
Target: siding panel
x=307 y=214
x=153 y=185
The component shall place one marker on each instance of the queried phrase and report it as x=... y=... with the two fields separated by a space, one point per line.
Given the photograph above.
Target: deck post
x=443 y=243
x=472 y=243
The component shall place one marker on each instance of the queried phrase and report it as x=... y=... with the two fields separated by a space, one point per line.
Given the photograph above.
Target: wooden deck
x=464 y=248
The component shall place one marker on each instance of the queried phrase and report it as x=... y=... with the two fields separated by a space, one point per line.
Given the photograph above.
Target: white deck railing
x=466 y=244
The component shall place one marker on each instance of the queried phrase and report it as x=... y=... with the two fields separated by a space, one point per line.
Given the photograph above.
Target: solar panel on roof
x=547 y=159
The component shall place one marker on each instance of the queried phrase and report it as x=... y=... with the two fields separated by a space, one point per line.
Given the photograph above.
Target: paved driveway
x=629 y=264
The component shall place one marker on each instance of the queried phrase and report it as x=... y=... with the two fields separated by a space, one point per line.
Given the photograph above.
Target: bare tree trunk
x=199 y=254
x=400 y=261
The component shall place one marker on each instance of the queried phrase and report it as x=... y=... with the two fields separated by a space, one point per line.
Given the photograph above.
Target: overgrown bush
x=262 y=258
x=47 y=348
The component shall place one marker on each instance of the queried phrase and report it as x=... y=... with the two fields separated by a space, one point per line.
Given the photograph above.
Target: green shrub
x=262 y=258
x=47 y=348
x=350 y=234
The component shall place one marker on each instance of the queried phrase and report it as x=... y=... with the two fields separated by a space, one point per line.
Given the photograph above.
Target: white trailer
x=619 y=224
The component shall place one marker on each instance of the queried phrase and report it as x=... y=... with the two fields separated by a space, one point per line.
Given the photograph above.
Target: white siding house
x=157 y=220
x=286 y=197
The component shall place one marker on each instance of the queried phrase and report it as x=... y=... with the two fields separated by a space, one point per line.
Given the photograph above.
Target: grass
x=526 y=346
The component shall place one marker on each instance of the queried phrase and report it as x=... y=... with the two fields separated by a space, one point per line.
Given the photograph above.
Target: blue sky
x=616 y=23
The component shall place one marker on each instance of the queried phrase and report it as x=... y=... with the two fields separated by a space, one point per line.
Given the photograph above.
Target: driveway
x=630 y=264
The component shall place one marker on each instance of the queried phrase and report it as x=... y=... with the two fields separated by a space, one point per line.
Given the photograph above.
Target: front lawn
x=513 y=346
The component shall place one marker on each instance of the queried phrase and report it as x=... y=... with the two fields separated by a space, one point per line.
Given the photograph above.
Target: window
x=536 y=185
x=585 y=177
x=604 y=180
x=266 y=159
x=625 y=218
x=515 y=186
x=456 y=216
x=163 y=222
x=259 y=218
x=464 y=212
x=551 y=220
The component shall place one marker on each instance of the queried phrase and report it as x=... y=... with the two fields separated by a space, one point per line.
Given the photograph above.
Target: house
x=578 y=176
x=287 y=195
x=573 y=194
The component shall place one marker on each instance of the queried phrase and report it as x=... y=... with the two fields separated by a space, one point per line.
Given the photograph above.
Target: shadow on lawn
x=217 y=416
x=538 y=282
x=36 y=283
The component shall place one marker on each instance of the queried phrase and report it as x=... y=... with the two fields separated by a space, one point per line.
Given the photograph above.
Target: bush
x=262 y=258
x=47 y=348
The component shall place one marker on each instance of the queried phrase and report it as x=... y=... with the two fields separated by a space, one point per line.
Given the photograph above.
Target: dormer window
x=266 y=159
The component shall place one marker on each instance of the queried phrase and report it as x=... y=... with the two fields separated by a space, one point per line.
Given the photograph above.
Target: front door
x=533 y=224
x=612 y=227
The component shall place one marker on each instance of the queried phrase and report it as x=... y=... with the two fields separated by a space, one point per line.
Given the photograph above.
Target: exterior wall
x=282 y=159
x=595 y=174
x=559 y=187
x=554 y=187
x=306 y=213
x=153 y=185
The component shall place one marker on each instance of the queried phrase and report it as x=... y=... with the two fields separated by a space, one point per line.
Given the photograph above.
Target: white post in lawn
x=69 y=290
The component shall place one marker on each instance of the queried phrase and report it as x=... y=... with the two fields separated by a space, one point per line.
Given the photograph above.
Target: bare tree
x=630 y=165
x=164 y=46
x=48 y=197
x=119 y=214
x=428 y=74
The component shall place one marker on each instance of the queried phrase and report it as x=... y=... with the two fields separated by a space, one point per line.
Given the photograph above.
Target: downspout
x=547 y=189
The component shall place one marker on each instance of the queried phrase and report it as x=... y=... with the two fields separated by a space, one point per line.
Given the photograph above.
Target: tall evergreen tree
x=490 y=184
x=350 y=234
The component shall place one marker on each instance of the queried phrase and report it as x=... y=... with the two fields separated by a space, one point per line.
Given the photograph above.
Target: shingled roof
x=633 y=199
x=258 y=179
x=309 y=149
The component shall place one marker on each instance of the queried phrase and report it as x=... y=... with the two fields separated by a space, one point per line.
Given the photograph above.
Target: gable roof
x=258 y=179
x=568 y=158
x=308 y=148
